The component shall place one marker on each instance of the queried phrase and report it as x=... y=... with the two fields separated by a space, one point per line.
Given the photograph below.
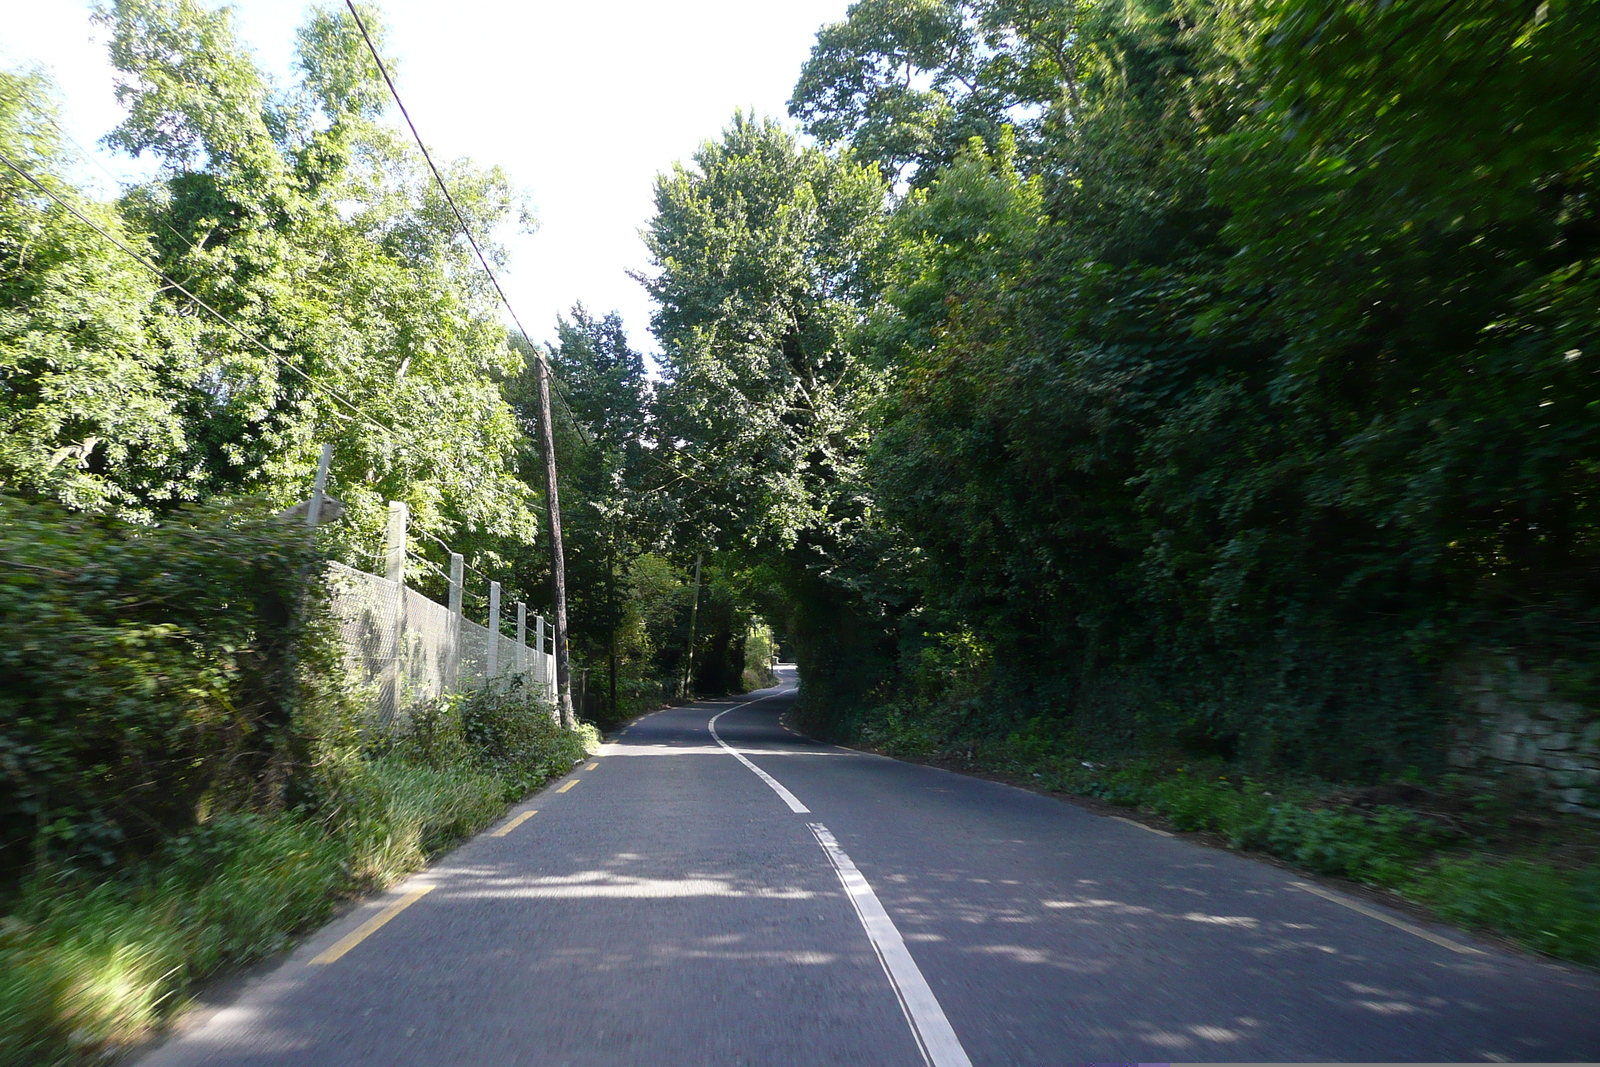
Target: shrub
x=507 y=732
x=88 y=965
x=1420 y=855
x=149 y=675
x=89 y=962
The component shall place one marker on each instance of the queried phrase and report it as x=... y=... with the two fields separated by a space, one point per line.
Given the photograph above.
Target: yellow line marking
x=1416 y=931
x=514 y=823
x=370 y=927
x=592 y=767
x=1140 y=825
x=568 y=786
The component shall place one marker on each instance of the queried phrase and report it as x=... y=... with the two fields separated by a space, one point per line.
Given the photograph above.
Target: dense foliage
x=1206 y=371
x=1180 y=369
x=630 y=543
x=1192 y=381
x=353 y=313
x=152 y=676
x=88 y=966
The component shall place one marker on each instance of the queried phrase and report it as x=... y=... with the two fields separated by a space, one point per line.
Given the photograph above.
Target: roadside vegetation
x=1181 y=387
x=187 y=784
x=1478 y=854
x=91 y=962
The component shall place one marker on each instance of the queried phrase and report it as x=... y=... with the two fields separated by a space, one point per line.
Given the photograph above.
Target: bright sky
x=581 y=103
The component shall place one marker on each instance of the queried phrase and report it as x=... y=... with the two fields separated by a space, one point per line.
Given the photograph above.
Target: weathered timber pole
x=694 y=612
x=614 y=618
x=558 y=557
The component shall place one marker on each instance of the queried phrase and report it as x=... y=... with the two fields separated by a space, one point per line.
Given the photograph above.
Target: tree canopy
x=1181 y=369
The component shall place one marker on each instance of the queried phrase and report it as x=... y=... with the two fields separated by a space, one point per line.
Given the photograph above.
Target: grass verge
x=1474 y=853
x=91 y=964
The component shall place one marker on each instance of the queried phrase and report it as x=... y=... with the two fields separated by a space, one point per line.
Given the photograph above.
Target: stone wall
x=1514 y=725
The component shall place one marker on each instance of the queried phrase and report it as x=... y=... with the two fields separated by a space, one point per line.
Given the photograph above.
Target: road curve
x=737 y=894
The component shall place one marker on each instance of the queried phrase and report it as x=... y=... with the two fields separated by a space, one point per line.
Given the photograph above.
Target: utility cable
x=436 y=539
x=86 y=155
x=275 y=356
x=186 y=242
x=466 y=230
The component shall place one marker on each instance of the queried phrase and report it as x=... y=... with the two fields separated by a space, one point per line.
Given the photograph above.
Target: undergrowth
x=91 y=963
x=1451 y=845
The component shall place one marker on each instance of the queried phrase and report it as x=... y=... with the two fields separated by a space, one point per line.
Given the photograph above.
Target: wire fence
x=403 y=649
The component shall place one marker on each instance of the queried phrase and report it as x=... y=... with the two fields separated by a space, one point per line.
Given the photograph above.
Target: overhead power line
x=90 y=158
x=545 y=377
x=438 y=178
x=466 y=230
x=277 y=358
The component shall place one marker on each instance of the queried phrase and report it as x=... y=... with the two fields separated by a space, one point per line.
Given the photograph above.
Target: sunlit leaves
x=764 y=250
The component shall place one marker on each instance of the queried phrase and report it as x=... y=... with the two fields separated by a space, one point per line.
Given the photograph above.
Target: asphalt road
x=667 y=904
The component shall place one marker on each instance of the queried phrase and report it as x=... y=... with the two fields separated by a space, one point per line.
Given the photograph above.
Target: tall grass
x=89 y=965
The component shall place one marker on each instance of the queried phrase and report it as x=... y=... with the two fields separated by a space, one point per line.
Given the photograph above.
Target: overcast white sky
x=581 y=103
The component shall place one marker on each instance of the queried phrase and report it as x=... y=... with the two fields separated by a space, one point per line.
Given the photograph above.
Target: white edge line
x=932 y=1030
x=1372 y=913
x=936 y=1039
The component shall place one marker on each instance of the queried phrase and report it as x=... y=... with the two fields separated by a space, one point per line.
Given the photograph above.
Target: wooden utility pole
x=558 y=557
x=614 y=618
x=694 y=611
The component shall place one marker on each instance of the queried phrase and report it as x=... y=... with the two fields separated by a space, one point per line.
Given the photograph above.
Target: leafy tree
x=1252 y=389
x=376 y=330
x=87 y=412
x=907 y=85
x=765 y=250
x=609 y=517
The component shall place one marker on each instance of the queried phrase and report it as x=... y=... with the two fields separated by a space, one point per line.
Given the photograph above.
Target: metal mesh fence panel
x=402 y=649
x=474 y=654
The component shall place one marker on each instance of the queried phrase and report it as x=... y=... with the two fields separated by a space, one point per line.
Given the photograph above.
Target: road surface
x=736 y=894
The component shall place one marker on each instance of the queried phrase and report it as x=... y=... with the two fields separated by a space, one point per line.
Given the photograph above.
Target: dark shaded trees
x=1244 y=385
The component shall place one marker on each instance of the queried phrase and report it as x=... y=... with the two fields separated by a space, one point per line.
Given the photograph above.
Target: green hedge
x=150 y=675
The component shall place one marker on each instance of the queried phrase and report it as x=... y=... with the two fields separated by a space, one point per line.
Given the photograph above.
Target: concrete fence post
x=394 y=542
x=318 y=490
x=522 y=639
x=394 y=559
x=539 y=664
x=494 y=631
x=457 y=569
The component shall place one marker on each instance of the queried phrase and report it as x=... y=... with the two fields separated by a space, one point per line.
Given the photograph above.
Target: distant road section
x=714 y=889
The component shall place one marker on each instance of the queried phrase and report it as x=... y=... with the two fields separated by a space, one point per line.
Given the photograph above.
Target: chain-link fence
x=402 y=649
